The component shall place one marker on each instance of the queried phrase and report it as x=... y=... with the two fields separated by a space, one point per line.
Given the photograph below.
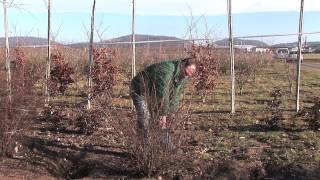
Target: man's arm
x=174 y=104
x=163 y=82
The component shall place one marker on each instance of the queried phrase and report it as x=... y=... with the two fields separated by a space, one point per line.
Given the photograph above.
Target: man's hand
x=163 y=122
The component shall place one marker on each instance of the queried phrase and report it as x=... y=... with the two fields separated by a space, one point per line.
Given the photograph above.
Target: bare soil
x=215 y=145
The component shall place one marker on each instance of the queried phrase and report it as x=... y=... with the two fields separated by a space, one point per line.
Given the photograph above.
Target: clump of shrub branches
x=312 y=114
x=246 y=67
x=314 y=122
x=60 y=74
x=207 y=68
x=73 y=118
x=14 y=114
x=274 y=107
x=290 y=77
x=104 y=73
x=157 y=159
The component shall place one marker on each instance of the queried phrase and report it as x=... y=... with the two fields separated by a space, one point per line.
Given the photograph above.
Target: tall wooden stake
x=48 y=63
x=231 y=47
x=7 y=53
x=133 y=40
x=299 y=57
x=91 y=55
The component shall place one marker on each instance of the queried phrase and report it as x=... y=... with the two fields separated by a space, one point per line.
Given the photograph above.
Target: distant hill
x=315 y=44
x=25 y=41
x=143 y=37
x=289 y=45
x=138 y=37
x=237 y=41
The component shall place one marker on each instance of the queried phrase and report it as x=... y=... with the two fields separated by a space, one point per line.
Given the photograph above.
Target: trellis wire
x=178 y=40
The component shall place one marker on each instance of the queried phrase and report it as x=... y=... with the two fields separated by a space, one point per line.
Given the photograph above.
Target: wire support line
x=177 y=40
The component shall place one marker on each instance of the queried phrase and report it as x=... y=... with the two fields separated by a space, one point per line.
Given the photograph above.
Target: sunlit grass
x=255 y=95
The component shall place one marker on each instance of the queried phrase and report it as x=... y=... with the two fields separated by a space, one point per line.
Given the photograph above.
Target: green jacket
x=161 y=83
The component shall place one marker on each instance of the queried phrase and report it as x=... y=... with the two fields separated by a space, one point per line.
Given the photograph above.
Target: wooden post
x=231 y=47
x=91 y=55
x=299 y=57
x=133 y=40
x=48 y=62
x=7 y=52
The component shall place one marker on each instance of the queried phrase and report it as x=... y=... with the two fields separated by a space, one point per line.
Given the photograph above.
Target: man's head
x=189 y=67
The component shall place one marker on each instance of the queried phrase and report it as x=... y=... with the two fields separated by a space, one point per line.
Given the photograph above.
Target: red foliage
x=104 y=72
x=21 y=59
x=60 y=75
x=207 y=68
x=20 y=75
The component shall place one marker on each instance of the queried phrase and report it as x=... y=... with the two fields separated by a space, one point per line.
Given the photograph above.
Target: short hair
x=188 y=62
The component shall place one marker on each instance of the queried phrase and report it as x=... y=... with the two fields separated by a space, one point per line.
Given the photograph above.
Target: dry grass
x=314 y=58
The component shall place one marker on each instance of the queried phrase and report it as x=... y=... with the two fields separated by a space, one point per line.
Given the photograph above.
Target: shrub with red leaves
x=103 y=72
x=207 y=68
x=19 y=73
x=21 y=59
x=60 y=75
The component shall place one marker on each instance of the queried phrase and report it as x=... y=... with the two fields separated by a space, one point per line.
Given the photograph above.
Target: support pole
x=231 y=47
x=48 y=62
x=133 y=40
x=91 y=55
x=7 y=52
x=299 y=57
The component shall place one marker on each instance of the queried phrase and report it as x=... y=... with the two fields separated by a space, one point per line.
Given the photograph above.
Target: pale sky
x=170 y=7
x=71 y=18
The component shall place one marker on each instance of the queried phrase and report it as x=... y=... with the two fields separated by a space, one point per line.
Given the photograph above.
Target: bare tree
x=100 y=30
x=192 y=25
x=86 y=31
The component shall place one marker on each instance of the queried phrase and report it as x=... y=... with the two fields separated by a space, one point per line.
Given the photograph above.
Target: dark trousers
x=143 y=117
x=143 y=122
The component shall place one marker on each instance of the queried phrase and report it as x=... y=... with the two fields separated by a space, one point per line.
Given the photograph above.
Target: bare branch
x=86 y=30
x=45 y=3
x=56 y=34
x=11 y=4
x=100 y=33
